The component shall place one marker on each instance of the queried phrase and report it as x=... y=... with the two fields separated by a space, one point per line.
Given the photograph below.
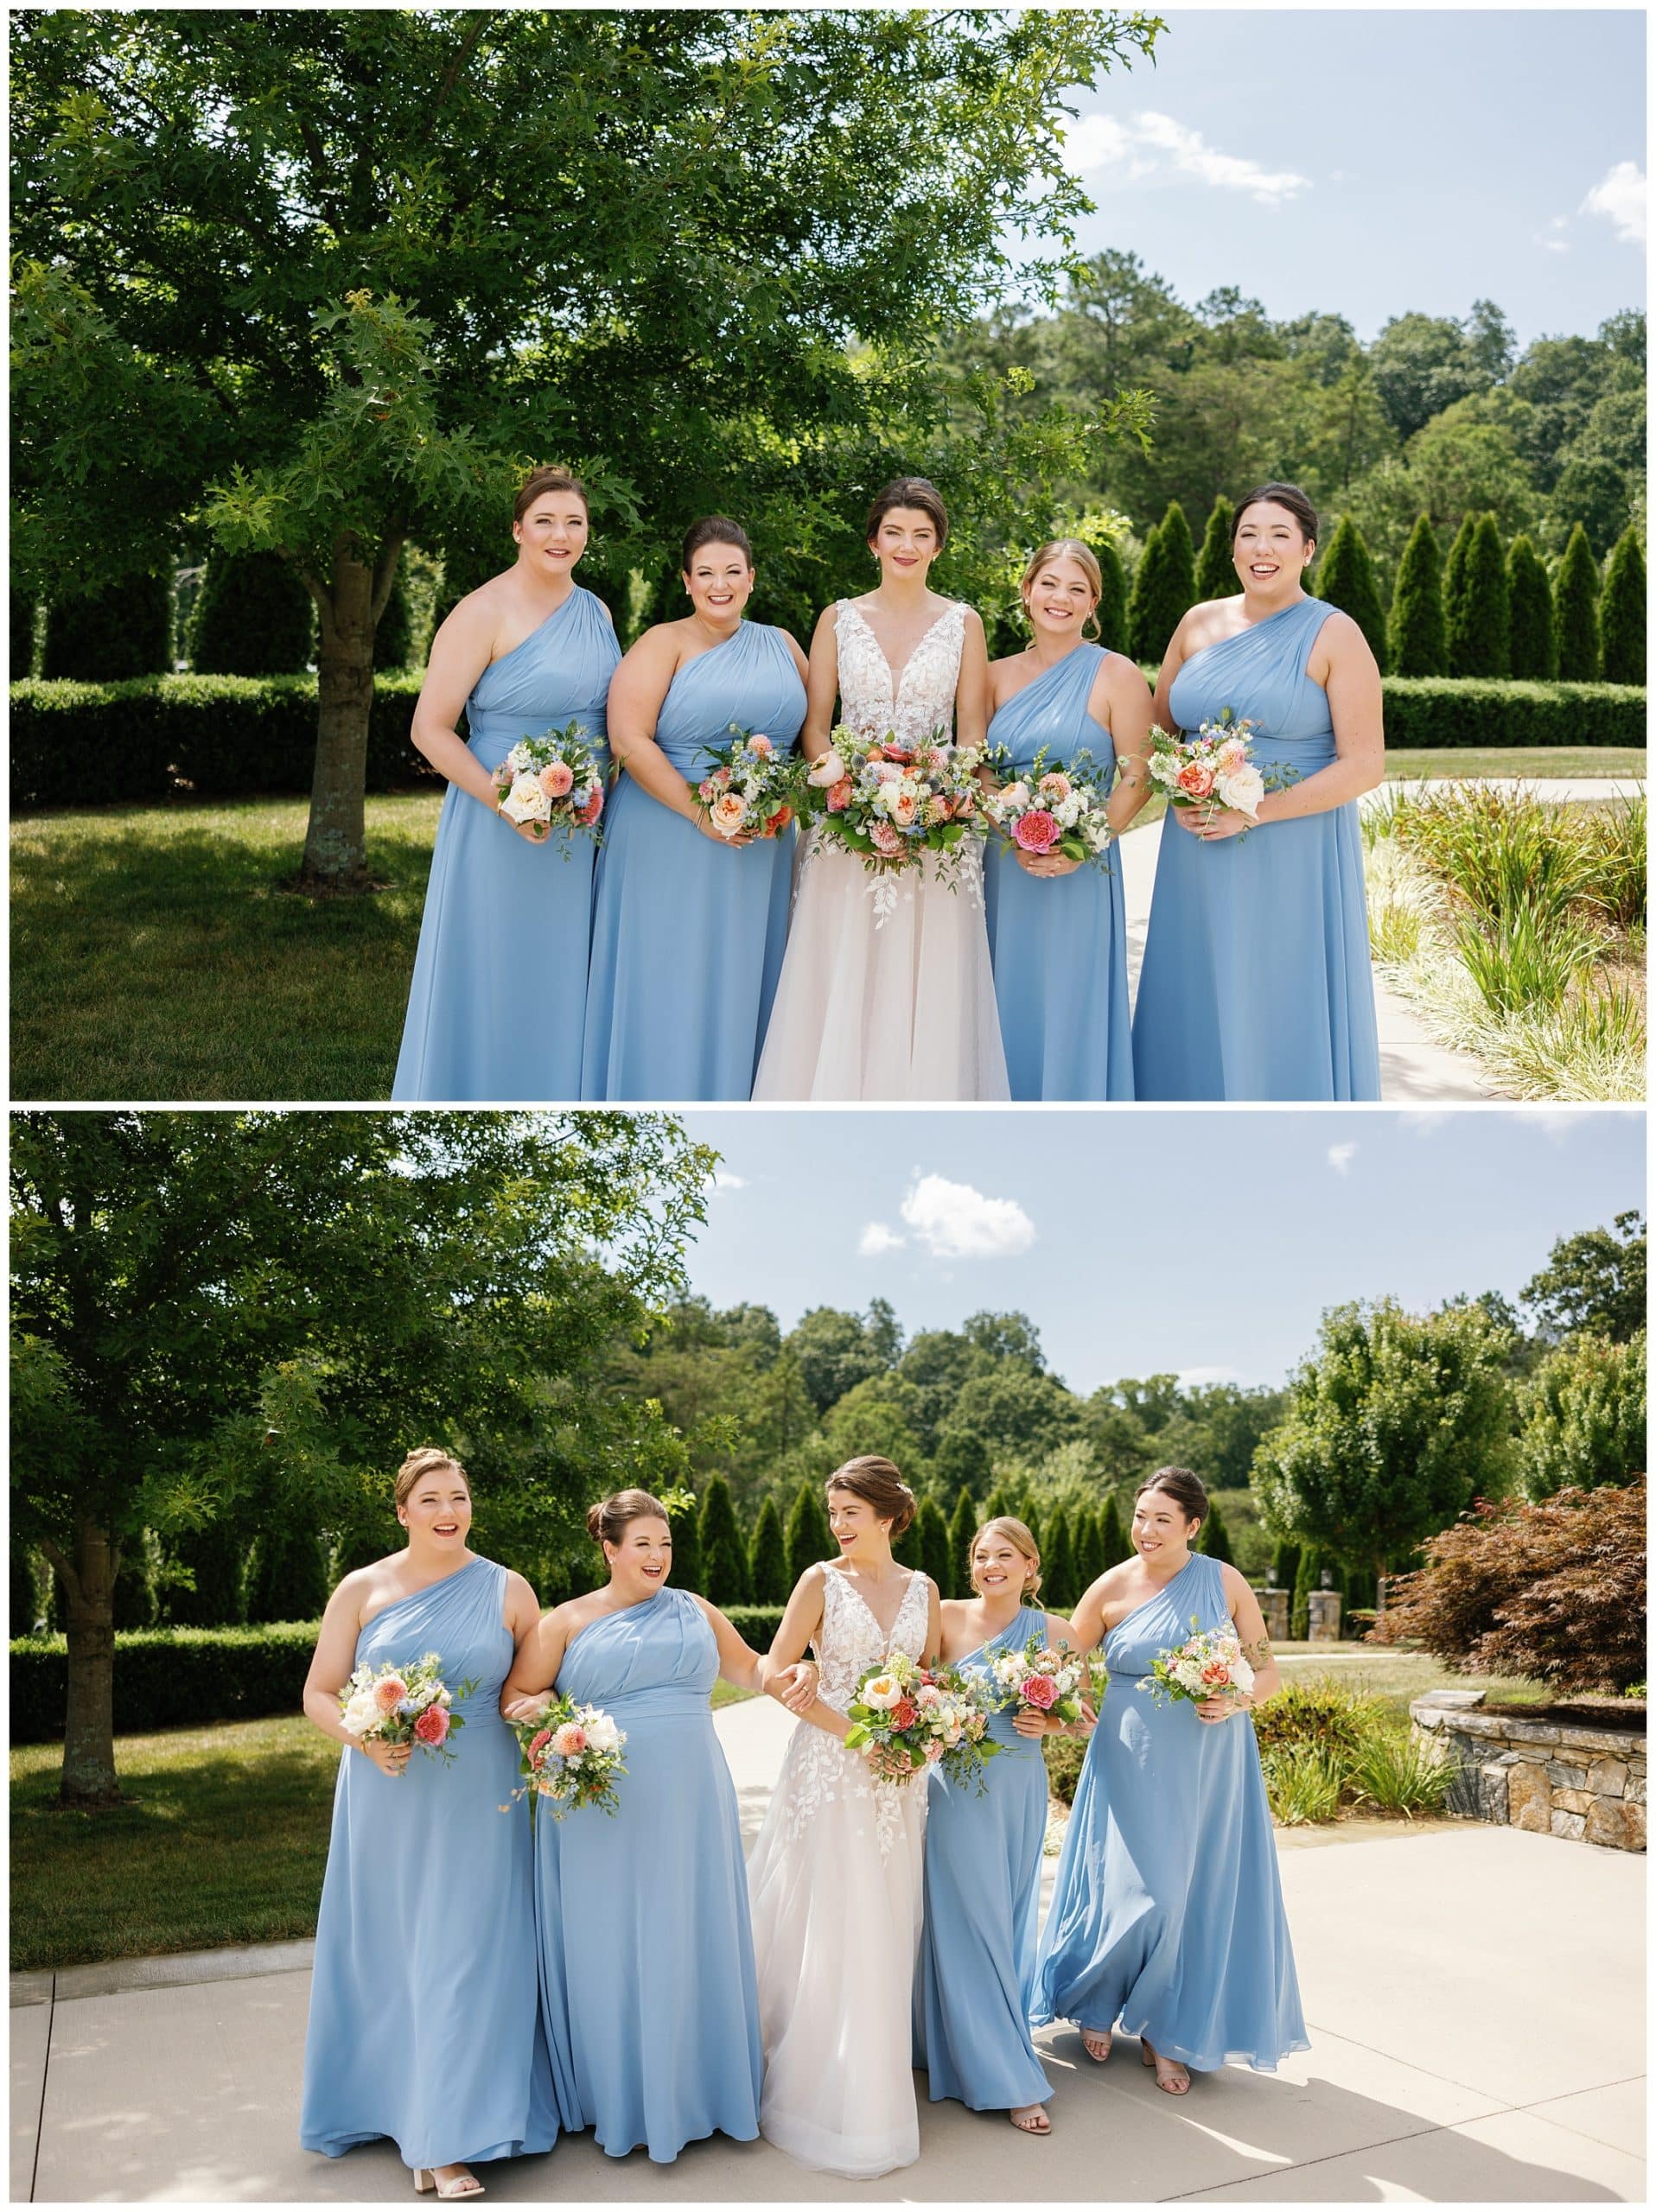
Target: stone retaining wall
x=1555 y=1778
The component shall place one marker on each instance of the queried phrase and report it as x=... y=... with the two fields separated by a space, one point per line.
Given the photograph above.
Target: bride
x=899 y=1004
x=835 y=1876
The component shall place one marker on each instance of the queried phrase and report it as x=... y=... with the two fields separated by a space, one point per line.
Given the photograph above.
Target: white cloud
x=1340 y=1157
x=725 y=1180
x=954 y=1222
x=1551 y=237
x=1424 y=1119
x=877 y=1238
x=1619 y=196
x=1149 y=142
x=1200 y=1378
x=1558 y=1122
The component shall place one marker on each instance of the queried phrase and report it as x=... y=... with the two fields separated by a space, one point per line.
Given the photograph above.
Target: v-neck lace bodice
x=848 y=1639
x=911 y=704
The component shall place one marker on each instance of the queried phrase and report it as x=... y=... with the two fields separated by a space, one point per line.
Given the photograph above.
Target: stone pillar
x=1274 y=1603
x=1322 y=1616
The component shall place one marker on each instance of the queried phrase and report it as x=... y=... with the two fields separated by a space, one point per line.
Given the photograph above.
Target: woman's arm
x=1250 y=1624
x=933 y=1625
x=822 y=683
x=799 y=1624
x=795 y=648
x=1127 y=715
x=523 y=1694
x=795 y=1687
x=971 y=690
x=1351 y=679
x=330 y=1669
x=1087 y=1627
x=459 y=652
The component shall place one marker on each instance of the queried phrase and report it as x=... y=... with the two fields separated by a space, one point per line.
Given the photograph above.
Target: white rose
x=882 y=1693
x=527 y=802
x=1243 y=788
x=360 y=1714
x=1016 y=798
x=830 y=769
x=602 y=1733
x=1241 y=1674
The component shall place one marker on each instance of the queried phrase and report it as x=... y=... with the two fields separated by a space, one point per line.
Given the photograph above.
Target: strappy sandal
x=1032 y=2116
x=465 y=2185
x=1096 y=2035
x=1172 y=2088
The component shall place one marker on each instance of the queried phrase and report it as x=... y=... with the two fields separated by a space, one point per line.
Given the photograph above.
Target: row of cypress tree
x=282 y=1576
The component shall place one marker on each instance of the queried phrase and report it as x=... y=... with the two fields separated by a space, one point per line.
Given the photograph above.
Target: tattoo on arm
x=1258 y=1653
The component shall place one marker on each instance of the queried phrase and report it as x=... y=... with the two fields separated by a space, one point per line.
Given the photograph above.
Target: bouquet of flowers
x=551 y=781
x=1212 y=768
x=750 y=785
x=572 y=1755
x=1053 y=809
x=929 y=1716
x=890 y=803
x=1208 y=1664
x=403 y=1705
x=1046 y=1681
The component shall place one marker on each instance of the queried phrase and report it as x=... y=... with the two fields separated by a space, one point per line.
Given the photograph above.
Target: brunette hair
x=878 y=1482
x=609 y=1521
x=910 y=492
x=423 y=1460
x=1280 y=495
x=1066 y=549
x=1018 y=1536
x=1188 y=1492
x=550 y=478
x=714 y=530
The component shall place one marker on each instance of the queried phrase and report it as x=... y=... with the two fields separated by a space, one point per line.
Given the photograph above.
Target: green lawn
x=1622 y=761
x=1400 y=1675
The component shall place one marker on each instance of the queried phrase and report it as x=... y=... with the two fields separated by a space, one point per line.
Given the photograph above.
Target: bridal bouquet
x=891 y=804
x=402 y=1705
x=551 y=781
x=572 y=1755
x=929 y=1716
x=1213 y=767
x=1053 y=809
x=749 y=785
x=1208 y=1664
x=1046 y=1681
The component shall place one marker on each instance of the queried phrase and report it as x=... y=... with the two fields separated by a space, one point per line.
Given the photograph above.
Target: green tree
x=768 y=1557
x=257 y=1313
x=1215 y=572
x=1594 y=1282
x=878 y=1416
x=960 y=1464
x=1583 y=1416
x=1058 y=1569
x=1308 y=1577
x=1112 y=603
x=935 y=1555
x=1164 y=586
x=252 y=617
x=1214 y=1538
x=835 y=1352
x=269 y=292
x=685 y=1521
x=1112 y=1538
x=1479 y=615
x=1574 y=612
x=725 y=1555
x=215 y=1559
x=1395 y=1423
x=1285 y=1566
x=22 y=662
x=1087 y=1546
x=288 y=1579
x=1419 y=637
x=25 y=1590
x=1345 y=579
x=808 y=1535
x=1621 y=611
x=1530 y=598
x=104 y=637
x=1454 y=584
x=963 y=1527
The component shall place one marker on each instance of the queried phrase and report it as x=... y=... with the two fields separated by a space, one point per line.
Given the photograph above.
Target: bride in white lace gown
x=885 y=997
x=836 y=1875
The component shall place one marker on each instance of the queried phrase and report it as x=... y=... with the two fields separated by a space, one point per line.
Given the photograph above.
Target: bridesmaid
x=1166 y=1916
x=424 y=2019
x=688 y=928
x=1060 y=955
x=528 y=651
x=1257 y=982
x=645 y=1950
x=983 y=1859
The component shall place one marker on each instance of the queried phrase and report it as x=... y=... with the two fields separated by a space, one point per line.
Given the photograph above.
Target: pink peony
x=570 y=1740
x=884 y=839
x=1054 y=785
x=390 y=1694
x=1042 y=1692
x=1036 y=831
x=556 y=779
x=761 y=744
x=1196 y=779
x=839 y=796
x=433 y=1725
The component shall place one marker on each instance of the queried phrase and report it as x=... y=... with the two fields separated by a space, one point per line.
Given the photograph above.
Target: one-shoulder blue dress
x=982 y=1900
x=425 y=2008
x=1167 y=1915
x=646 y=1954
x=687 y=935
x=1059 y=947
x=497 y=1001
x=1257 y=982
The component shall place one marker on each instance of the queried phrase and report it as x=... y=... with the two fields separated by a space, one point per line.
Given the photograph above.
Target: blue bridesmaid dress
x=498 y=994
x=1059 y=948
x=1167 y=1915
x=687 y=938
x=425 y=2009
x=646 y=1956
x=1255 y=982
x=983 y=1899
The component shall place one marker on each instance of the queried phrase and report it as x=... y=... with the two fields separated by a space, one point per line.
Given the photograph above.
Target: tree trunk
x=336 y=857
x=87 y=1596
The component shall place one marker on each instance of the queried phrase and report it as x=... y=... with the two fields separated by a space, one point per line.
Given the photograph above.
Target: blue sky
x=1078 y=1219
x=1368 y=162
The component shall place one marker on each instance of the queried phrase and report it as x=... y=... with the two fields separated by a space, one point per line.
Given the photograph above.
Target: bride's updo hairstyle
x=539 y=481
x=1066 y=549
x=878 y=1482
x=609 y=1521
x=714 y=529
x=1004 y=1524
x=917 y=491
x=1188 y=1492
x=1279 y=495
x=425 y=1459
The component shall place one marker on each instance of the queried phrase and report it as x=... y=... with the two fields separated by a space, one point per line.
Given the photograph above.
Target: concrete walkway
x=1472 y=1997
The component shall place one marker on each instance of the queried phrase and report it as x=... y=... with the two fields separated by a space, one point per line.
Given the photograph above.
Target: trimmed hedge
x=163 y=737
x=1432 y=712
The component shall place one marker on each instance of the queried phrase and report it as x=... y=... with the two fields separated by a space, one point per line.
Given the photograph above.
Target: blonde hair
x=423 y=1460
x=1018 y=1536
x=1066 y=549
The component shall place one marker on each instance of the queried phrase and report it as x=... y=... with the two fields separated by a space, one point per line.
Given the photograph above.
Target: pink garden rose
x=1055 y=786
x=839 y=796
x=556 y=779
x=1036 y=831
x=390 y=1694
x=884 y=839
x=593 y=807
x=570 y=1740
x=433 y=1725
x=730 y=812
x=761 y=744
x=1042 y=1692
x=1196 y=779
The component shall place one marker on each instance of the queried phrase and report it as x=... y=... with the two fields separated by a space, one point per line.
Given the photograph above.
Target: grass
x=1394 y=1677
x=1625 y=762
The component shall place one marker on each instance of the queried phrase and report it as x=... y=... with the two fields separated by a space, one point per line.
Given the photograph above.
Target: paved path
x=1473 y=1997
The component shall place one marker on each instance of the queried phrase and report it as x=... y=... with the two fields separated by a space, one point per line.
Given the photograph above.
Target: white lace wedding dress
x=886 y=989
x=835 y=1880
